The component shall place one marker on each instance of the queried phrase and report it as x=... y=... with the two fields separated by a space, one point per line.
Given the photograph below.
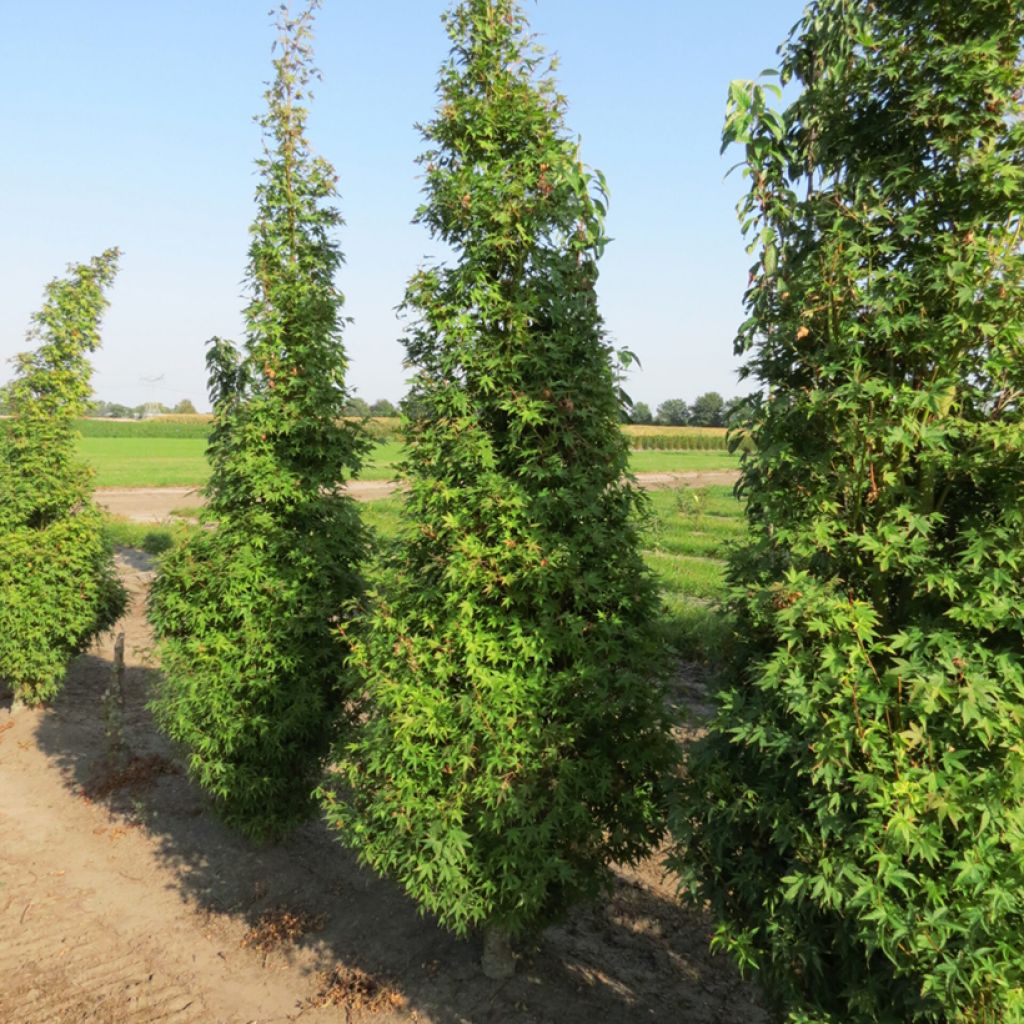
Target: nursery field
x=180 y=461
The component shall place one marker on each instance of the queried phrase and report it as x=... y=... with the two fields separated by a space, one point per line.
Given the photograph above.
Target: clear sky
x=130 y=124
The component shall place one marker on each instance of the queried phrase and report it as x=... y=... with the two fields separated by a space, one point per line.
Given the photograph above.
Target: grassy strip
x=181 y=461
x=146 y=462
x=381 y=428
x=681 y=461
x=144 y=536
x=692 y=533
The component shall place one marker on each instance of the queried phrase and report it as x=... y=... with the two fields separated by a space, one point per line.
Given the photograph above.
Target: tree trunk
x=499 y=961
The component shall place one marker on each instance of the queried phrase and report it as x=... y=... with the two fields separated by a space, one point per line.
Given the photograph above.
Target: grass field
x=681 y=461
x=181 y=461
x=694 y=530
x=146 y=462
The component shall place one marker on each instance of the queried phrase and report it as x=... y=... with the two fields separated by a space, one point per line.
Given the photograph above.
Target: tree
x=854 y=818
x=708 y=410
x=641 y=413
x=737 y=413
x=512 y=741
x=149 y=409
x=184 y=408
x=673 y=412
x=382 y=407
x=246 y=614
x=58 y=584
x=110 y=410
x=357 y=407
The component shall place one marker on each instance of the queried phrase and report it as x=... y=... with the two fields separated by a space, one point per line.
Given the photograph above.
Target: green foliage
x=246 y=613
x=58 y=585
x=513 y=741
x=856 y=817
x=641 y=413
x=708 y=410
x=673 y=412
x=357 y=407
x=383 y=408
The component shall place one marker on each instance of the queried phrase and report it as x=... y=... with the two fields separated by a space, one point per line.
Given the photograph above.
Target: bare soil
x=155 y=504
x=123 y=900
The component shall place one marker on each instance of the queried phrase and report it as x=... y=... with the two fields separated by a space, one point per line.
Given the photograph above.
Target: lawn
x=693 y=532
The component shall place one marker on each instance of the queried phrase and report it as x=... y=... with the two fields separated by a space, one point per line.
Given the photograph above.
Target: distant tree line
x=707 y=410
x=117 y=411
x=360 y=407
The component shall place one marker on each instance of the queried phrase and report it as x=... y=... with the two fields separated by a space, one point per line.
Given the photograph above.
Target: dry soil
x=155 y=504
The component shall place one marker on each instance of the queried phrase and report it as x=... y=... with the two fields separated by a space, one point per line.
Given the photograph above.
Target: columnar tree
x=246 y=612
x=58 y=585
x=513 y=741
x=856 y=816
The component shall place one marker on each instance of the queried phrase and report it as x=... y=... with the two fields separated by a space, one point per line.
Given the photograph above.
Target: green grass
x=381 y=462
x=181 y=462
x=146 y=462
x=693 y=531
x=681 y=462
x=122 y=461
x=154 y=539
x=383 y=516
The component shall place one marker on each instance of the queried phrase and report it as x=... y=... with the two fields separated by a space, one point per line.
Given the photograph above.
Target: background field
x=171 y=453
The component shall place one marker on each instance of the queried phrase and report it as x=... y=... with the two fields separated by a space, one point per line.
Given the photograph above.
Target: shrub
x=58 y=585
x=513 y=741
x=246 y=613
x=855 y=817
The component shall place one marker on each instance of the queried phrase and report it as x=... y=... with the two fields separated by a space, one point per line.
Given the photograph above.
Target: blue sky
x=130 y=124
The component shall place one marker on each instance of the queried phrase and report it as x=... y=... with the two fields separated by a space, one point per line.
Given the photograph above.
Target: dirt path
x=155 y=504
x=124 y=901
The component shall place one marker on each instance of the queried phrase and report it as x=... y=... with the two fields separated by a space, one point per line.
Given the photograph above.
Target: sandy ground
x=155 y=504
x=124 y=901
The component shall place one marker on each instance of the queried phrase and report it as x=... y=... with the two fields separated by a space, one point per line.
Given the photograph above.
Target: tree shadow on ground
x=637 y=956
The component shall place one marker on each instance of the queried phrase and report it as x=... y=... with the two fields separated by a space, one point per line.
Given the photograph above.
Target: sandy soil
x=122 y=899
x=155 y=504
